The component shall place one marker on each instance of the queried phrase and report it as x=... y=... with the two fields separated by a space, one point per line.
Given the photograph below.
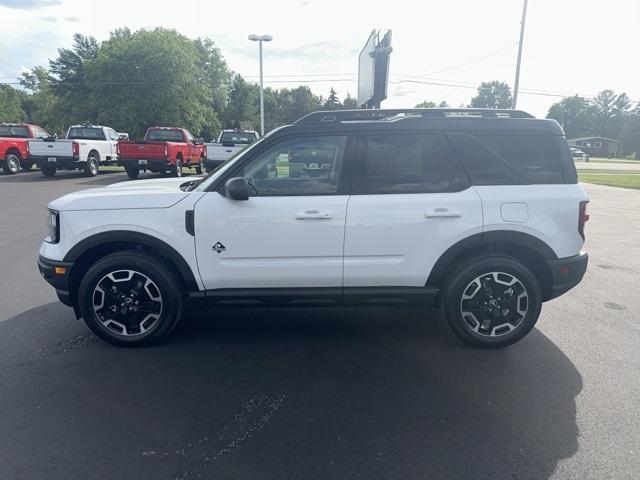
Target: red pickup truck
x=163 y=150
x=14 y=150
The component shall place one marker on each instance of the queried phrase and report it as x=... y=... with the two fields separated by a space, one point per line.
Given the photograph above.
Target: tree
x=493 y=94
x=11 y=104
x=350 y=103
x=574 y=114
x=443 y=104
x=42 y=106
x=630 y=136
x=608 y=113
x=333 y=102
x=242 y=104
x=426 y=104
x=68 y=77
x=150 y=77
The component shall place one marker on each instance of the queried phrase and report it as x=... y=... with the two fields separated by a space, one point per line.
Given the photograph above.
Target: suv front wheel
x=130 y=298
x=491 y=301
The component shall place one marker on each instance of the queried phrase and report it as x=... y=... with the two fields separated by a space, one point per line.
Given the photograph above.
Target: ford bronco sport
x=475 y=211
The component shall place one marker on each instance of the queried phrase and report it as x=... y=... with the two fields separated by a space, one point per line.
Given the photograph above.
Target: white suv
x=476 y=211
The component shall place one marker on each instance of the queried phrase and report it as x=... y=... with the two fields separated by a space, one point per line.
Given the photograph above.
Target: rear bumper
x=151 y=163
x=58 y=280
x=567 y=272
x=60 y=162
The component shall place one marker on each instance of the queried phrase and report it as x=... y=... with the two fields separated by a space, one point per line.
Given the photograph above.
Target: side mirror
x=199 y=141
x=237 y=189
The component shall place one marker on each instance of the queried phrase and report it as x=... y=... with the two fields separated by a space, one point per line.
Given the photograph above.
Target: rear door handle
x=443 y=213
x=314 y=215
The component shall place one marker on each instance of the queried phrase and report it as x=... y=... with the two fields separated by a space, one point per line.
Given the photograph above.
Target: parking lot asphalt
x=320 y=393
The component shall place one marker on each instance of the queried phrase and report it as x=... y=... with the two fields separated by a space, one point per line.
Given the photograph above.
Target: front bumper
x=567 y=273
x=57 y=274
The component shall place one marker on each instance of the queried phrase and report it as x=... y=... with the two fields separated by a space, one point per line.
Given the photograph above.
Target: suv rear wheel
x=491 y=301
x=130 y=298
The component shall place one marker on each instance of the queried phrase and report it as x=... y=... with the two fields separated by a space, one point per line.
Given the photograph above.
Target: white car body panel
x=551 y=213
x=394 y=240
x=268 y=244
x=63 y=147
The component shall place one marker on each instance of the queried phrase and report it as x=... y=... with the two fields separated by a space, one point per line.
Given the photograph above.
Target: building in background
x=596 y=146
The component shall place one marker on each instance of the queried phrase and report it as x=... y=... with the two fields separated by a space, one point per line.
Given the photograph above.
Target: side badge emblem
x=218 y=247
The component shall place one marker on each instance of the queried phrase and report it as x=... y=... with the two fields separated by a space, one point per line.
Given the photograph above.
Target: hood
x=153 y=193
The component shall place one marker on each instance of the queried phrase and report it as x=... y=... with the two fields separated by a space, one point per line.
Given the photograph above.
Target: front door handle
x=314 y=215
x=443 y=213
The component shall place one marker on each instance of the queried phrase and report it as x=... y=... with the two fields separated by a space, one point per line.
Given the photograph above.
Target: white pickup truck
x=85 y=147
x=229 y=143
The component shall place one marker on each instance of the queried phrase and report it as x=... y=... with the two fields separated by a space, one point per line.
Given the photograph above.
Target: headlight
x=53 y=224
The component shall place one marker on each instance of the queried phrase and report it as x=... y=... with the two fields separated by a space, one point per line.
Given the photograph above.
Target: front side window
x=113 y=135
x=40 y=133
x=403 y=163
x=299 y=166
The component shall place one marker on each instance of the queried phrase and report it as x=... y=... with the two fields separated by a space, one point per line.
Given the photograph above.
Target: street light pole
x=260 y=39
x=517 y=82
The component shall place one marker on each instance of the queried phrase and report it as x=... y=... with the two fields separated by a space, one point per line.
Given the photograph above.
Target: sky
x=442 y=49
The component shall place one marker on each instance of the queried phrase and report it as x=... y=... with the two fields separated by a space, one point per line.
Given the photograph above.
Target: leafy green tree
x=494 y=94
x=443 y=104
x=608 y=113
x=11 y=104
x=426 y=104
x=42 y=106
x=349 y=102
x=150 y=77
x=574 y=114
x=243 y=104
x=630 y=136
x=69 y=80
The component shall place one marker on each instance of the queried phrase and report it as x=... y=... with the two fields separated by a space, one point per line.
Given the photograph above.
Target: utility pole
x=517 y=82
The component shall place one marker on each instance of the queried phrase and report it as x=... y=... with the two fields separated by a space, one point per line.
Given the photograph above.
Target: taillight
x=75 y=146
x=166 y=151
x=583 y=217
x=27 y=145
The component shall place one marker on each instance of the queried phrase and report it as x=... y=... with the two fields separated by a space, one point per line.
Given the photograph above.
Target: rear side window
x=508 y=159
x=402 y=163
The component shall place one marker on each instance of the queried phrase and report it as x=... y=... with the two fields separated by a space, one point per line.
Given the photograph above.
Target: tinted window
x=13 y=131
x=508 y=159
x=237 y=137
x=113 y=135
x=81 y=133
x=404 y=163
x=300 y=166
x=165 y=135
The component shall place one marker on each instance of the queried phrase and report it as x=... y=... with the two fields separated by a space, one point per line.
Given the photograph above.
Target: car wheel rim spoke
x=127 y=303
x=494 y=304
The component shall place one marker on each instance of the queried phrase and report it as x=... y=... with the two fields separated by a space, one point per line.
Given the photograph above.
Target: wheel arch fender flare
x=131 y=238
x=12 y=151
x=487 y=241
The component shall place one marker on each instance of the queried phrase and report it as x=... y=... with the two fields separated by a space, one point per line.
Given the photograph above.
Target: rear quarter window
x=509 y=158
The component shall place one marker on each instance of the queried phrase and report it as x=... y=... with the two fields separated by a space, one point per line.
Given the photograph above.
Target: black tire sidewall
x=178 y=168
x=92 y=161
x=133 y=172
x=48 y=171
x=157 y=271
x=460 y=278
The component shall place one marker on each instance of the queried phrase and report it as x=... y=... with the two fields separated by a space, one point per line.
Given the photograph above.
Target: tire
x=11 y=164
x=48 y=171
x=491 y=301
x=177 y=168
x=91 y=169
x=26 y=165
x=200 y=167
x=114 y=291
x=133 y=171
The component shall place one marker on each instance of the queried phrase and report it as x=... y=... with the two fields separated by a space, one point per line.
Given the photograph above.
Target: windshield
x=165 y=135
x=211 y=176
x=13 y=132
x=237 y=137
x=85 y=133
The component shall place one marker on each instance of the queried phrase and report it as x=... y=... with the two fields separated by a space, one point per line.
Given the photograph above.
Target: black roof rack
x=326 y=117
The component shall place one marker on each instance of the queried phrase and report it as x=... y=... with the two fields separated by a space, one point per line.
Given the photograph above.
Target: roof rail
x=332 y=116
